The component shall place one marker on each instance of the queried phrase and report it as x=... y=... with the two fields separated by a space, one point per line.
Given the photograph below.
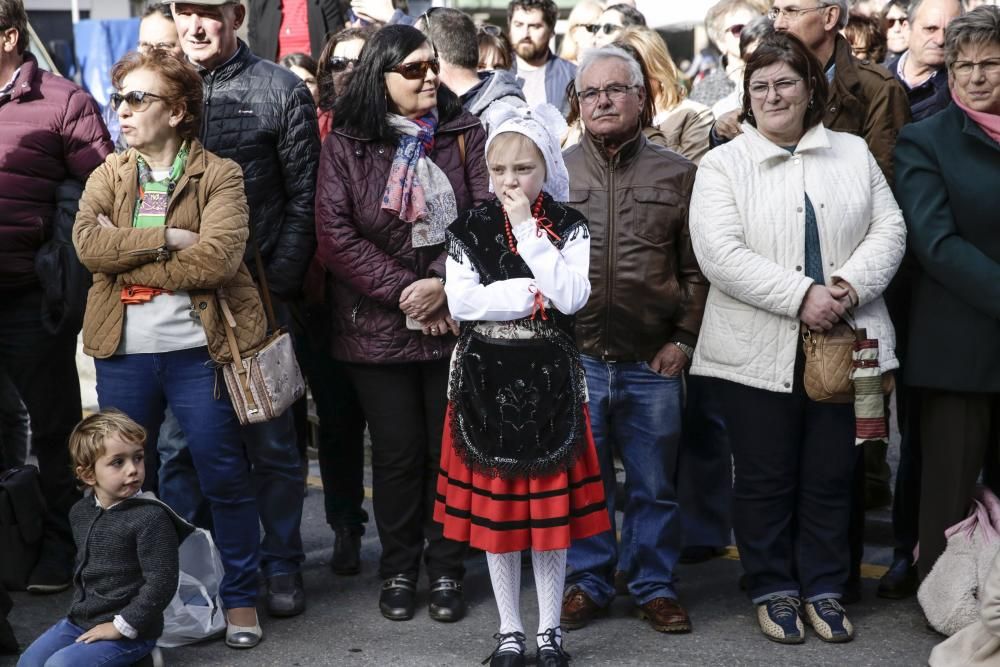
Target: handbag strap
x=265 y=291
x=234 y=349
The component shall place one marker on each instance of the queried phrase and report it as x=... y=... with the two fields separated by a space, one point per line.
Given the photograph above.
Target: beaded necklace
x=541 y=222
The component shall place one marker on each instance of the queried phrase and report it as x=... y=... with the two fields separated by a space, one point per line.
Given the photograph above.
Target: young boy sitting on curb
x=127 y=553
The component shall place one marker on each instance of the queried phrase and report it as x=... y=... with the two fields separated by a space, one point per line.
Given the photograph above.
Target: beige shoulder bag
x=264 y=384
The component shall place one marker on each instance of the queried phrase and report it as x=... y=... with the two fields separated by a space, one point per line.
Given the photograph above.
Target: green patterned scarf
x=154 y=196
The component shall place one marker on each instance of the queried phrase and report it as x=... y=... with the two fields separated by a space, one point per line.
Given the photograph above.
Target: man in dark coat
x=50 y=131
x=280 y=27
x=261 y=116
x=921 y=71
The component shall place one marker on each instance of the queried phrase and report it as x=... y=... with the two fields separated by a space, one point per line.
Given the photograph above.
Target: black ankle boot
x=447 y=604
x=398 y=599
x=346 y=559
x=509 y=657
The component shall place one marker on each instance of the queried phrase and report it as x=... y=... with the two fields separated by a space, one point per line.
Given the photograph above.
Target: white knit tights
x=505 y=574
x=550 y=579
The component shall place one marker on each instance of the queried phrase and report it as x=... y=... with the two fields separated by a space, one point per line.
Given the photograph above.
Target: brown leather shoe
x=578 y=609
x=665 y=615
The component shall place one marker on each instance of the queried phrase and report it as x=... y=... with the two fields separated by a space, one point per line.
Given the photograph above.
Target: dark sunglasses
x=888 y=23
x=417 y=70
x=606 y=28
x=735 y=29
x=339 y=63
x=138 y=100
x=491 y=30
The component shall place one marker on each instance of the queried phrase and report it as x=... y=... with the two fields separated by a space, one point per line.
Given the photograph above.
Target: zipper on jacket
x=354 y=311
x=210 y=83
x=609 y=280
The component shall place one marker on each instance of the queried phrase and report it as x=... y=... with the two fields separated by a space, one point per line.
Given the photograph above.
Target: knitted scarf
x=417 y=190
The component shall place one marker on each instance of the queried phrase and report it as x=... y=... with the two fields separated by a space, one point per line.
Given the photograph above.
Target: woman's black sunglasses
x=138 y=100
x=417 y=70
x=339 y=64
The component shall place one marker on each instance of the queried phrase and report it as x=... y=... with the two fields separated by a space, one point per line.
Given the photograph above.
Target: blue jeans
x=57 y=647
x=276 y=474
x=277 y=482
x=638 y=412
x=142 y=385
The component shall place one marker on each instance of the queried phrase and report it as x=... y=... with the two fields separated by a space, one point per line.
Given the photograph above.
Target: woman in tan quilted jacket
x=162 y=226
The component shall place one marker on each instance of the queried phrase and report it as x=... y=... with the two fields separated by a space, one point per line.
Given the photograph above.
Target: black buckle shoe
x=900 y=581
x=346 y=559
x=447 y=603
x=507 y=658
x=398 y=599
x=285 y=595
x=550 y=651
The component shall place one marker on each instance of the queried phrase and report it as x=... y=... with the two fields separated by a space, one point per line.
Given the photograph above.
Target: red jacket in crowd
x=50 y=131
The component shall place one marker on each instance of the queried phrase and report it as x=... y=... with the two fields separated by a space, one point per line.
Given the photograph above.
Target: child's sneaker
x=779 y=620
x=829 y=620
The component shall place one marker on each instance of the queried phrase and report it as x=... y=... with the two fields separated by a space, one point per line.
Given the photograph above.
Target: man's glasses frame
x=793 y=14
x=616 y=92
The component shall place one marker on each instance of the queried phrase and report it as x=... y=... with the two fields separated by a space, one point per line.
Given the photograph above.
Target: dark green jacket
x=948 y=185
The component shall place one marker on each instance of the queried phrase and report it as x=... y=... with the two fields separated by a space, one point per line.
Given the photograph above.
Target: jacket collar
x=25 y=79
x=972 y=128
x=196 y=163
x=625 y=155
x=846 y=70
x=763 y=149
x=231 y=67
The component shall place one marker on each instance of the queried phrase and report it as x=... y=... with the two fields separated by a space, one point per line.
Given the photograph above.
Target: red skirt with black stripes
x=501 y=515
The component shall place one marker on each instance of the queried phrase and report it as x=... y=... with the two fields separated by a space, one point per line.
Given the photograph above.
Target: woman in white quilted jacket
x=794 y=225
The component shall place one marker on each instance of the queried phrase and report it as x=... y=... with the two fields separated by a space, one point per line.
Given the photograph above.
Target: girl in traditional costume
x=518 y=465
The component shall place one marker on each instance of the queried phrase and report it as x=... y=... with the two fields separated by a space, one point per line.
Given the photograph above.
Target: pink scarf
x=990 y=122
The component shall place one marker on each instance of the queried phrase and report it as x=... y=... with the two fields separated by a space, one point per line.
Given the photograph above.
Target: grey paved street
x=342 y=625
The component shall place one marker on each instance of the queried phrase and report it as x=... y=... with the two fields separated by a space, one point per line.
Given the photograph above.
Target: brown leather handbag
x=829 y=358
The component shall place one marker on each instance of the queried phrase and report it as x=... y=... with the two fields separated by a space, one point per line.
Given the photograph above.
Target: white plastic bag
x=195 y=612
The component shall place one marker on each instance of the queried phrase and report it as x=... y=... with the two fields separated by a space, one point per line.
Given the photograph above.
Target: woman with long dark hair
x=402 y=161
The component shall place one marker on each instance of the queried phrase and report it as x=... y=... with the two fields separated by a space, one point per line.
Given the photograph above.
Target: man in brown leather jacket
x=636 y=334
x=865 y=99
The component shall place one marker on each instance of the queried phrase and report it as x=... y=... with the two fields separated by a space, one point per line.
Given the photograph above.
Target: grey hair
x=911 y=12
x=980 y=26
x=845 y=13
x=591 y=56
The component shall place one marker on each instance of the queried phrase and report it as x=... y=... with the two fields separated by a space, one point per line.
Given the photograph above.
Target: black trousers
x=405 y=406
x=43 y=370
x=341 y=434
x=959 y=434
x=794 y=461
x=906 y=498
